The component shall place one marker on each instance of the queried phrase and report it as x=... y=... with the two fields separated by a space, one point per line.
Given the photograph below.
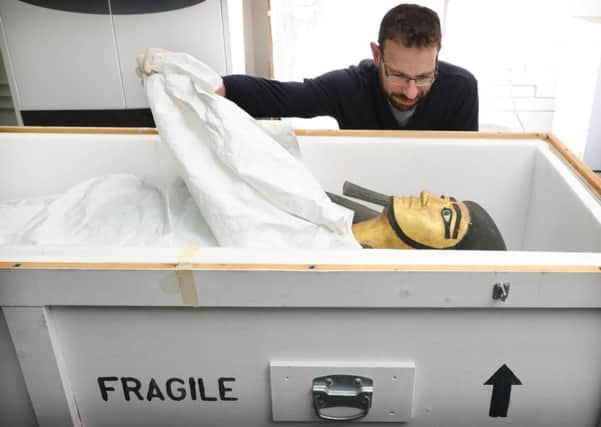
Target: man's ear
x=375 y=52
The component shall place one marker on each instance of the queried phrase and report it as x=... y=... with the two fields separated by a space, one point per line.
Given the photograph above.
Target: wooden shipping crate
x=231 y=336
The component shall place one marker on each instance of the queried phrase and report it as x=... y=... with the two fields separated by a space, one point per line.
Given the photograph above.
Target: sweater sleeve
x=262 y=98
x=465 y=116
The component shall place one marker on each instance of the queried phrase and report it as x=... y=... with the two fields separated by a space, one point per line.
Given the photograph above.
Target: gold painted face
x=424 y=222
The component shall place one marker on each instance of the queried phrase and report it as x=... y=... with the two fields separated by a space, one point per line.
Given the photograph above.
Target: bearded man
x=404 y=85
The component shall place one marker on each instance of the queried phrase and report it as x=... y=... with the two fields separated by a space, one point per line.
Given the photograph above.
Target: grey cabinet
x=60 y=59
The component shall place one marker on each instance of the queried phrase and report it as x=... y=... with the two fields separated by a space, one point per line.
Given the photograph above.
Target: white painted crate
x=91 y=327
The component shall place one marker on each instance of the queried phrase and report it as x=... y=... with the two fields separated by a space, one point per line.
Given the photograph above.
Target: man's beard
x=401 y=102
x=396 y=99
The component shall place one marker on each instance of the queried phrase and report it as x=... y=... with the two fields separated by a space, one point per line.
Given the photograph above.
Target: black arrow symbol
x=501 y=383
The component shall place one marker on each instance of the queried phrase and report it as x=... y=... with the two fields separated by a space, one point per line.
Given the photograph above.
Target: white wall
x=509 y=47
x=578 y=107
x=592 y=149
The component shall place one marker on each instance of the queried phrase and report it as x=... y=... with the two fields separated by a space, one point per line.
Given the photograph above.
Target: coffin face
x=225 y=336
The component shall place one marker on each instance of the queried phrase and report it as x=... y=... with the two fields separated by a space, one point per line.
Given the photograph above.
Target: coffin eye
x=446 y=215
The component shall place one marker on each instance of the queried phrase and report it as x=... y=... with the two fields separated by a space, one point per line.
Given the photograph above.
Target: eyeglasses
x=399 y=79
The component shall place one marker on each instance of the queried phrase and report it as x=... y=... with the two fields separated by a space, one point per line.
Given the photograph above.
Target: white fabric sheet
x=112 y=210
x=16 y=214
x=118 y=209
x=251 y=191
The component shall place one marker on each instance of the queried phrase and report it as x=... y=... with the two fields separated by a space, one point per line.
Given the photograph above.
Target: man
x=405 y=86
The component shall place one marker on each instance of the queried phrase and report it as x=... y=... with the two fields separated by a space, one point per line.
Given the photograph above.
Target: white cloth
x=16 y=214
x=188 y=227
x=250 y=190
x=111 y=210
x=114 y=210
x=283 y=133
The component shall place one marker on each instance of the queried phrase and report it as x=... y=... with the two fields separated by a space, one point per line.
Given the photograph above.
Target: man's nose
x=410 y=90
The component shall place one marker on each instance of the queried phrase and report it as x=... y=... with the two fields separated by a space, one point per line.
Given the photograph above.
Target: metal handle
x=342 y=391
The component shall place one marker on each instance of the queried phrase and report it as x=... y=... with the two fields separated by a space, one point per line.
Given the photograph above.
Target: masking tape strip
x=187 y=287
x=185 y=277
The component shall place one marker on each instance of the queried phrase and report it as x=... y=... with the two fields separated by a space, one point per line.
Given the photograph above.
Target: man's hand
x=146 y=61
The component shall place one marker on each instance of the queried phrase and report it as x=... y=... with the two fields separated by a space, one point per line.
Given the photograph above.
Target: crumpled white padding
x=111 y=210
x=15 y=214
x=250 y=190
x=114 y=210
x=283 y=133
x=188 y=227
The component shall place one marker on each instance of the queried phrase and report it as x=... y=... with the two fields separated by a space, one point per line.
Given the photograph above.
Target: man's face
x=406 y=73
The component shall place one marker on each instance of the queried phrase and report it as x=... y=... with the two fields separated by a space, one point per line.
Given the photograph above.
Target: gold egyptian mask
x=424 y=222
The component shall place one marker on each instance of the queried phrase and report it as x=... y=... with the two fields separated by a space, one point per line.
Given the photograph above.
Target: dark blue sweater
x=354 y=97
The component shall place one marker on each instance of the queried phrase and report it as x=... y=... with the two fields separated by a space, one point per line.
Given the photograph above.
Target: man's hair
x=412 y=25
